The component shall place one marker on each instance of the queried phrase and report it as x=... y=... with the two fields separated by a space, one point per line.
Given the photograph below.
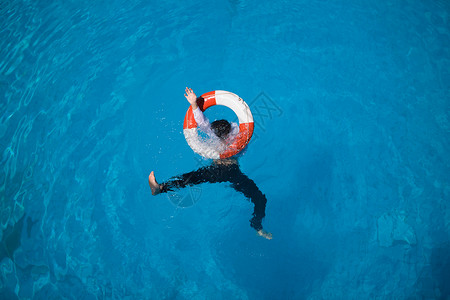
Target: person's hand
x=265 y=234
x=191 y=97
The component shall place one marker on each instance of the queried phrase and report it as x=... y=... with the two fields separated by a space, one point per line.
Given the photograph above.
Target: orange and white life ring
x=229 y=100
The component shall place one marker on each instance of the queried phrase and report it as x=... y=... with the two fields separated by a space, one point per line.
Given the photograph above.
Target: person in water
x=221 y=133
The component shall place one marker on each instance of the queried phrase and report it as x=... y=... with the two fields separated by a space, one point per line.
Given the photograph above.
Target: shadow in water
x=11 y=240
x=440 y=266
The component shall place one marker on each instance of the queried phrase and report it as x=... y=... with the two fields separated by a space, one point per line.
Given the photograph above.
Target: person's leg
x=243 y=184
x=209 y=174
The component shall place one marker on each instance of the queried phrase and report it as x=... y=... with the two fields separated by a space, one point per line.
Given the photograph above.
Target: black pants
x=224 y=173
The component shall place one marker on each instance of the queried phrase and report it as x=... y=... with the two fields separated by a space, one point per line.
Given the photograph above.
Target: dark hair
x=221 y=128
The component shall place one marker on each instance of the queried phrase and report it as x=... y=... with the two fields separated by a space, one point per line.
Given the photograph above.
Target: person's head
x=221 y=128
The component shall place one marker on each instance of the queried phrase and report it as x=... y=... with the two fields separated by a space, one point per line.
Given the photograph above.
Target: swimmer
x=222 y=133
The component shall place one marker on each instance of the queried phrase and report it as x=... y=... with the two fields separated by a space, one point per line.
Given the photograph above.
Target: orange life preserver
x=229 y=100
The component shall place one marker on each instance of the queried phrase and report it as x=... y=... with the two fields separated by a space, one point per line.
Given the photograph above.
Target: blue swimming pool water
x=352 y=108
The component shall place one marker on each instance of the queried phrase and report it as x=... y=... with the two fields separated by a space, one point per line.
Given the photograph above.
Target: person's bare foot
x=265 y=234
x=154 y=186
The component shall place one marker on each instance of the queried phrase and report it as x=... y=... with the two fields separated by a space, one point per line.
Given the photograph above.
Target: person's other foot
x=265 y=234
x=154 y=186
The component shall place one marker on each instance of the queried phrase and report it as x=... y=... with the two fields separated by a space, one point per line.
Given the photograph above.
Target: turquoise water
x=352 y=124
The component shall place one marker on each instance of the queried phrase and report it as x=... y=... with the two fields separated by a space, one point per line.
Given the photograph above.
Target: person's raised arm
x=202 y=121
x=191 y=98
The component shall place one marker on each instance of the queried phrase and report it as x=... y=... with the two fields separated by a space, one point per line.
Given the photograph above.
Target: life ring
x=229 y=100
